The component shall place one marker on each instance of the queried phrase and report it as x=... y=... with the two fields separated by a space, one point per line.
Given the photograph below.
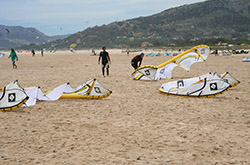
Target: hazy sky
x=56 y=17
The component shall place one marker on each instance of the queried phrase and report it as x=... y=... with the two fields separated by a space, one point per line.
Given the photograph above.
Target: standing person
x=42 y=52
x=104 y=55
x=137 y=59
x=33 y=52
x=93 y=52
x=14 y=57
x=216 y=52
x=127 y=51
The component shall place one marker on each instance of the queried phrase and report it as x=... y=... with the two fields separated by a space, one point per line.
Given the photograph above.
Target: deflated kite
x=13 y=96
x=164 y=70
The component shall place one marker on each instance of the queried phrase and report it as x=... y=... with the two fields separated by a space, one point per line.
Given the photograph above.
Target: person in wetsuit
x=137 y=59
x=104 y=55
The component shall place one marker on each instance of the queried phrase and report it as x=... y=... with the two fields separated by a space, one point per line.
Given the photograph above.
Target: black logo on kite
x=213 y=86
x=12 y=97
x=97 y=89
x=147 y=72
x=180 y=84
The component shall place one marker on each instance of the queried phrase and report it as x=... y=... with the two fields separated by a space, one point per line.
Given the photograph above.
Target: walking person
x=33 y=52
x=104 y=55
x=137 y=59
x=13 y=57
x=42 y=52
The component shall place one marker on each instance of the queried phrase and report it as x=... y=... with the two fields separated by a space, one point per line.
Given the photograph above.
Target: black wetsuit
x=105 y=61
x=105 y=57
x=135 y=60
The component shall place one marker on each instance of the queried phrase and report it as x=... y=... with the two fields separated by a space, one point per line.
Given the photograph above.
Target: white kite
x=89 y=90
x=229 y=79
x=12 y=96
x=208 y=85
x=164 y=70
x=2 y=55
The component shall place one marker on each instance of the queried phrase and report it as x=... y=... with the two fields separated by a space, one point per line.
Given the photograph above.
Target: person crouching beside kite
x=14 y=57
x=137 y=59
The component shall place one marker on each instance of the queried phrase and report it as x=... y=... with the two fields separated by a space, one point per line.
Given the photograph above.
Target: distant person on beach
x=137 y=59
x=72 y=50
x=33 y=52
x=54 y=50
x=216 y=52
x=42 y=52
x=127 y=51
x=14 y=57
x=104 y=55
x=93 y=52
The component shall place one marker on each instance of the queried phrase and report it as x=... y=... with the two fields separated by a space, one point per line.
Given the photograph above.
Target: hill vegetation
x=206 y=22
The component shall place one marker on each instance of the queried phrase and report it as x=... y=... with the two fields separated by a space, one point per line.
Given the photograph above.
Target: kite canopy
x=72 y=46
x=145 y=73
x=182 y=83
x=153 y=55
x=247 y=59
x=12 y=96
x=230 y=79
x=164 y=70
x=36 y=93
x=208 y=85
x=2 y=55
x=92 y=89
x=89 y=90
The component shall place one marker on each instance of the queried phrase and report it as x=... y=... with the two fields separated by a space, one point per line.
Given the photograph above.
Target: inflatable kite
x=2 y=55
x=28 y=96
x=12 y=96
x=153 y=55
x=229 y=79
x=72 y=46
x=247 y=59
x=164 y=70
x=208 y=85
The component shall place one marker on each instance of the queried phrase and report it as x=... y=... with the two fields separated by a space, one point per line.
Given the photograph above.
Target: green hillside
x=206 y=22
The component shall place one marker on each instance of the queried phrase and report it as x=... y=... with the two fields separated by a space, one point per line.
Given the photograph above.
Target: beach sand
x=134 y=125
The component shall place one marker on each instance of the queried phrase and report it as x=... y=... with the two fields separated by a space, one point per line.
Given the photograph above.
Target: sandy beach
x=134 y=125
